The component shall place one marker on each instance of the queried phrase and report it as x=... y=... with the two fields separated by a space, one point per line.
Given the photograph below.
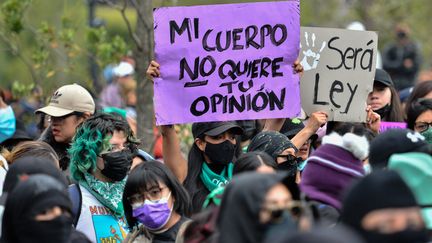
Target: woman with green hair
x=101 y=156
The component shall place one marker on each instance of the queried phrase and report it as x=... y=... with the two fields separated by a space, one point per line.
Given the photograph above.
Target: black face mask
x=405 y=236
x=384 y=111
x=117 y=164
x=57 y=230
x=221 y=153
x=290 y=165
x=280 y=223
x=401 y=35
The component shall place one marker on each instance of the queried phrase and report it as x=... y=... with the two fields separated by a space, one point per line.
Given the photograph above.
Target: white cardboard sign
x=339 y=71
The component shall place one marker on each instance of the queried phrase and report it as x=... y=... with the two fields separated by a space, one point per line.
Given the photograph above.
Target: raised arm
x=316 y=120
x=172 y=155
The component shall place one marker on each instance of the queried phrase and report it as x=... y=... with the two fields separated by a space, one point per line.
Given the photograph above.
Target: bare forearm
x=274 y=124
x=172 y=155
x=301 y=137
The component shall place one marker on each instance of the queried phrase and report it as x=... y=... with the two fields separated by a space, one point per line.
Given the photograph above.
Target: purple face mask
x=153 y=214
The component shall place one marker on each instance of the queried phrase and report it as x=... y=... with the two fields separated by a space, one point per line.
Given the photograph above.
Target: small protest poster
x=339 y=69
x=227 y=62
x=384 y=126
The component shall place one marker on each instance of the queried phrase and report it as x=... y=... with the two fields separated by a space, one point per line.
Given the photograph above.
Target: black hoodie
x=34 y=195
x=241 y=204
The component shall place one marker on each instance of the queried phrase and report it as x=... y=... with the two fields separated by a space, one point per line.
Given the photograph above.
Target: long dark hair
x=419 y=91
x=416 y=109
x=151 y=173
x=193 y=184
x=252 y=160
x=396 y=113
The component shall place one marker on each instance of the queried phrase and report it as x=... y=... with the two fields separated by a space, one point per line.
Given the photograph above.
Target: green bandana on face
x=428 y=135
x=212 y=180
x=109 y=194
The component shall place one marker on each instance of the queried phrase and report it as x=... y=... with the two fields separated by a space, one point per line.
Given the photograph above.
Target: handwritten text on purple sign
x=221 y=62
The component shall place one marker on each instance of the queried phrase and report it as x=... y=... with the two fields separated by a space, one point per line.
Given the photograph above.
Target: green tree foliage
x=49 y=43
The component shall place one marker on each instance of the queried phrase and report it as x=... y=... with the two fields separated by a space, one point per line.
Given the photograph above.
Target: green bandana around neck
x=109 y=194
x=214 y=197
x=212 y=180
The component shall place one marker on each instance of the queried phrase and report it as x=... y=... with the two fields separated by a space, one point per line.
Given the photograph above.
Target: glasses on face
x=422 y=126
x=117 y=147
x=154 y=194
x=295 y=208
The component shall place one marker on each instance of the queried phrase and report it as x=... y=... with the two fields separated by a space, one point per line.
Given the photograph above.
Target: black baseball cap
x=215 y=128
x=383 y=77
x=293 y=126
x=395 y=141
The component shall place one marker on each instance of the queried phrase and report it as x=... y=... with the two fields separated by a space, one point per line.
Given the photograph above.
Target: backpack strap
x=76 y=198
x=181 y=231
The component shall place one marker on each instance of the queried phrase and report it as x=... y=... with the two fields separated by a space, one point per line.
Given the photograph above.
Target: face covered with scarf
x=391 y=217
x=37 y=210
x=279 y=147
x=255 y=204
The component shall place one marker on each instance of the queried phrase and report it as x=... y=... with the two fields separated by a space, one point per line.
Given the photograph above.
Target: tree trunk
x=143 y=54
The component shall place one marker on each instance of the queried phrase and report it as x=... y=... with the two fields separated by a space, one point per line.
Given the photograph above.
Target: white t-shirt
x=3 y=171
x=97 y=222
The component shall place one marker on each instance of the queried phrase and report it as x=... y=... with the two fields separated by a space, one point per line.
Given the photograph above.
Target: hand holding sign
x=153 y=70
x=317 y=120
x=373 y=120
x=298 y=68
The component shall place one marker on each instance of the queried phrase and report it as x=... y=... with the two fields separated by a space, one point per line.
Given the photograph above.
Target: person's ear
x=86 y=115
x=201 y=144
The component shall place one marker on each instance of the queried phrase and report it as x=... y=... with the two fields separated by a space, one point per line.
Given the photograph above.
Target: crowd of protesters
x=77 y=174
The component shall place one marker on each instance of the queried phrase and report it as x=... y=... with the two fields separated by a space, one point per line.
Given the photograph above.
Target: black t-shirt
x=169 y=235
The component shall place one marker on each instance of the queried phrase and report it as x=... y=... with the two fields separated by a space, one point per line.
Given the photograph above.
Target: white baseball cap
x=67 y=99
x=123 y=69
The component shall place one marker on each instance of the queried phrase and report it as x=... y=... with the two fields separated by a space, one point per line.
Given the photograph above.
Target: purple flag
x=392 y=125
x=227 y=62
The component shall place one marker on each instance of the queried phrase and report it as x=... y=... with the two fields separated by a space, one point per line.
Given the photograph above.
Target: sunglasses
x=294 y=208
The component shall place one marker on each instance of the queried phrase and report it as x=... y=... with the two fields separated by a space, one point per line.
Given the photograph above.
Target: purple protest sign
x=227 y=62
x=391 y=125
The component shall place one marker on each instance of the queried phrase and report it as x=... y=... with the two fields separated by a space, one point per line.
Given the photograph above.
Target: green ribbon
x=109 y=194
x=212 y=180
x=214 y=197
